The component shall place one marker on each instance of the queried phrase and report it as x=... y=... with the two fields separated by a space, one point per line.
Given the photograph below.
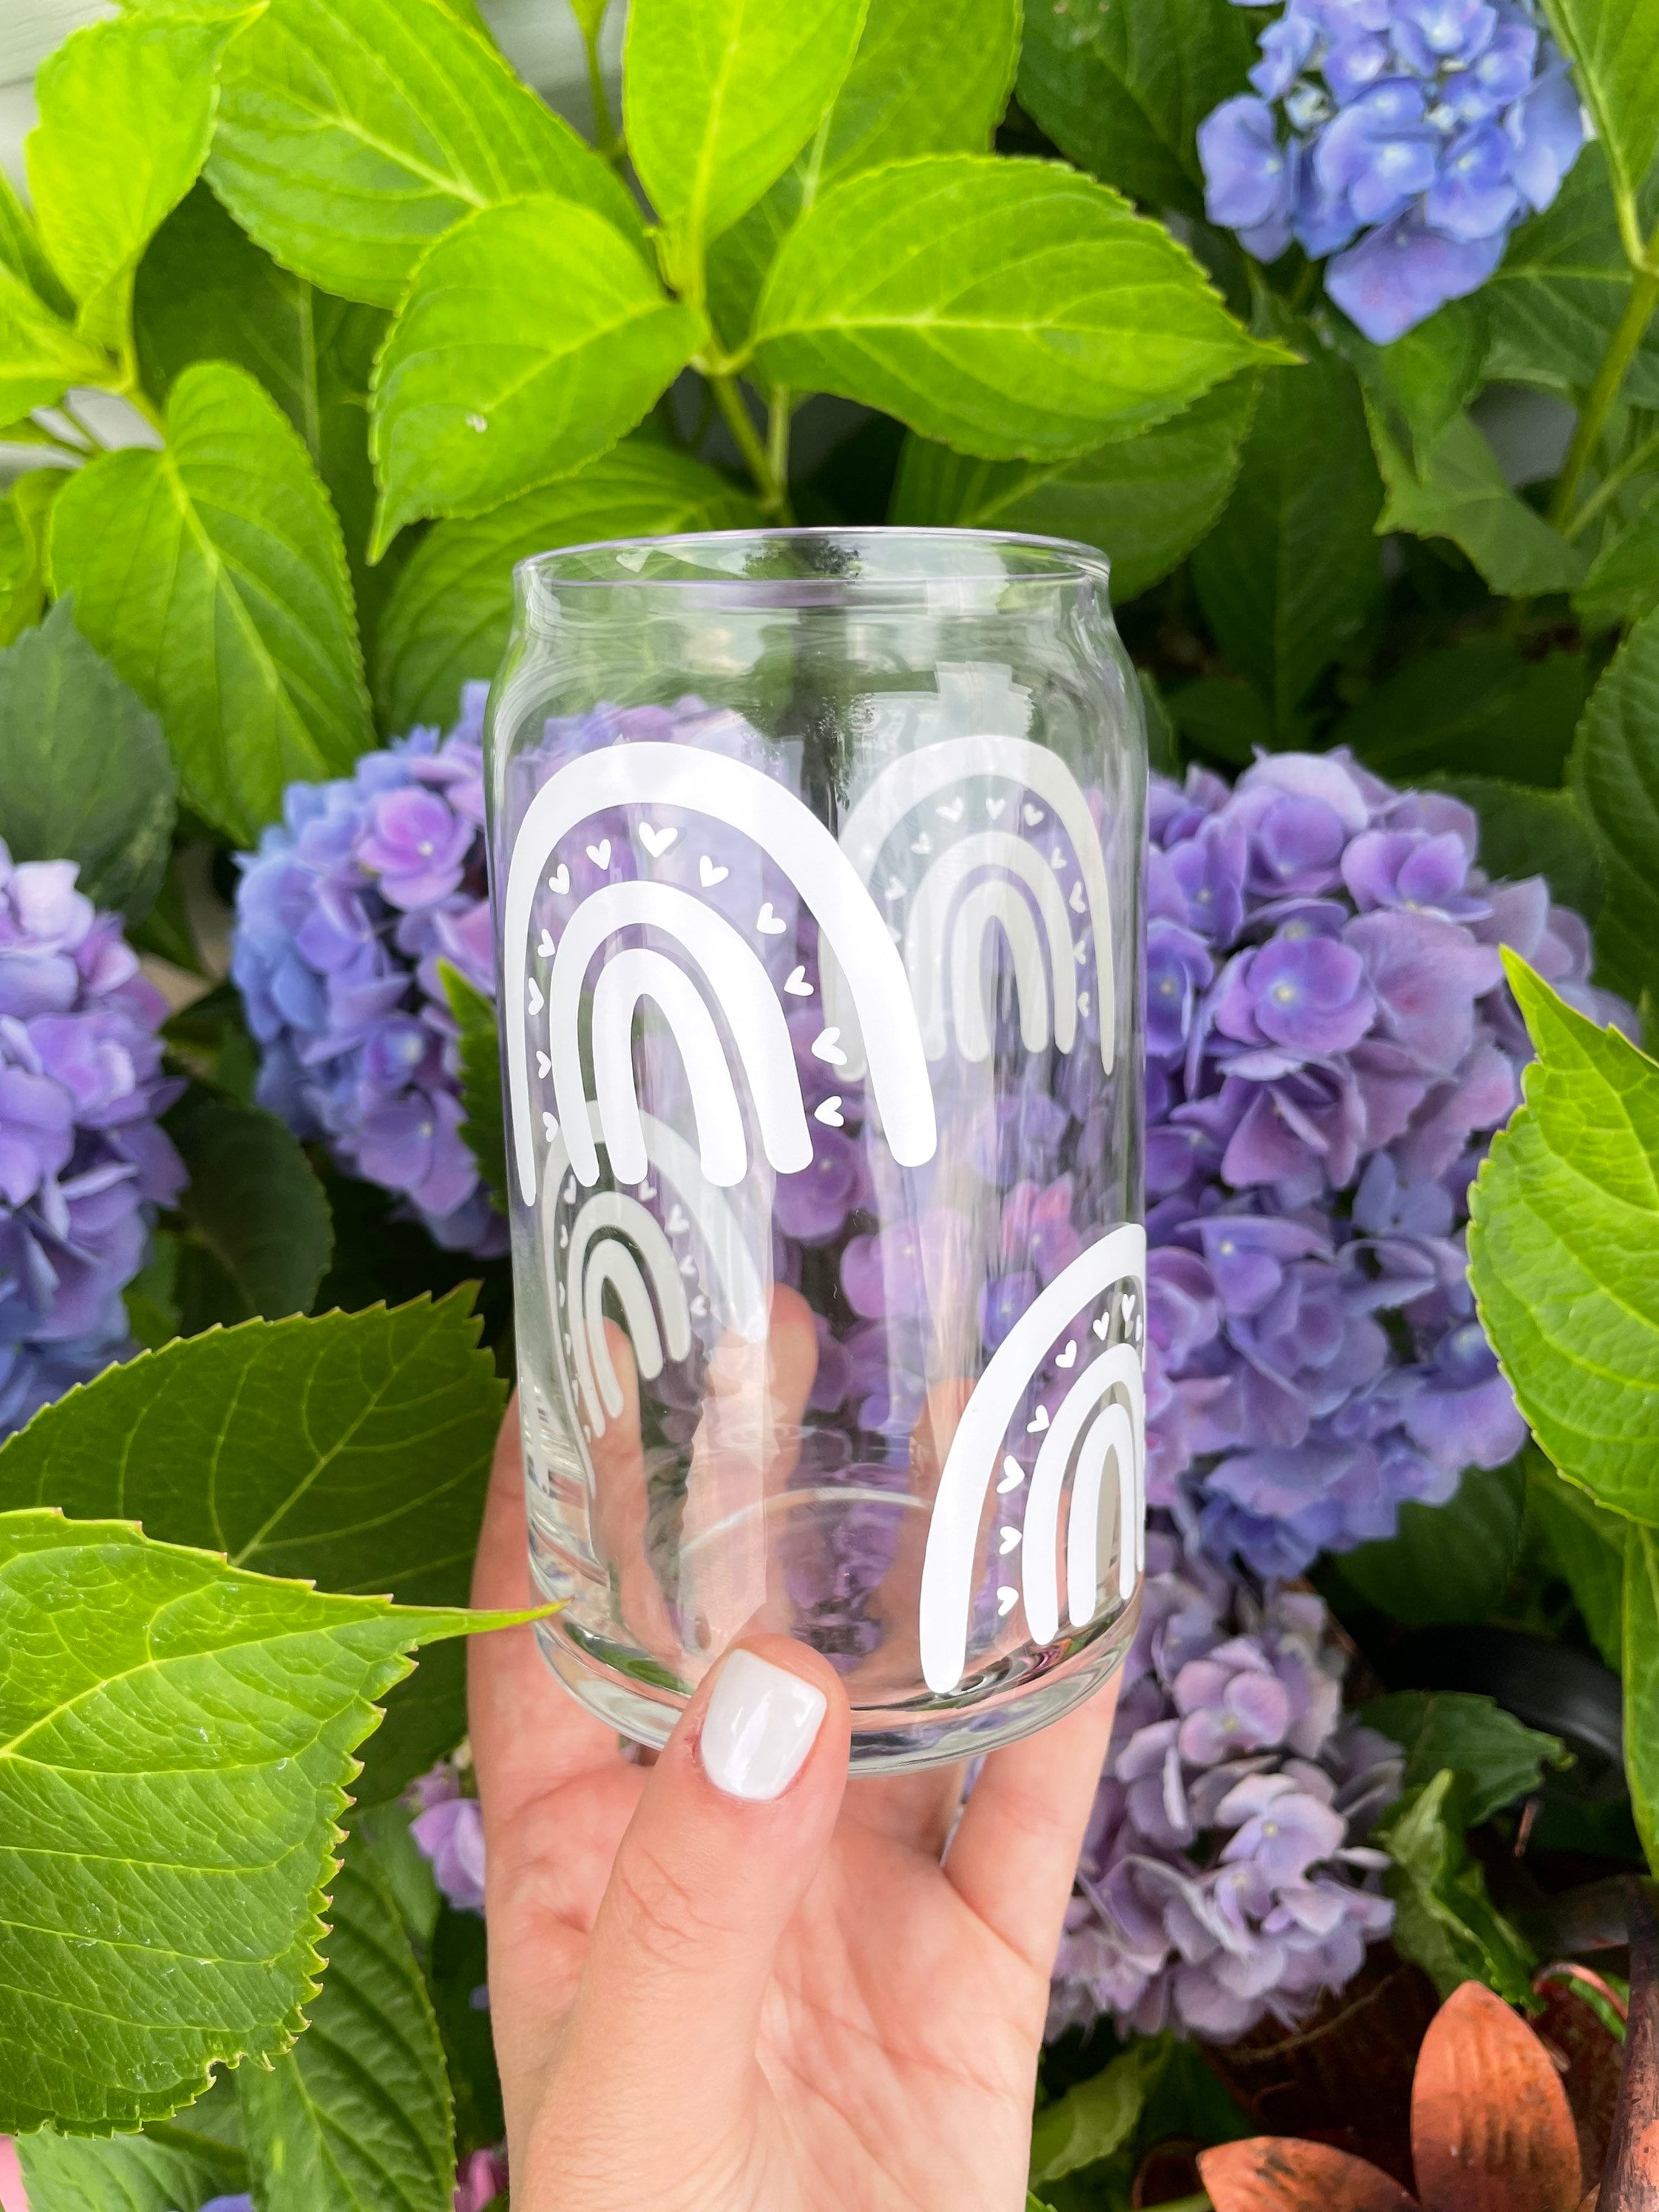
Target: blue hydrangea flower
x=1330 y=1043
x=343 y=916
x=1226 y=1875
x=1404 y=139
x=83 y=1163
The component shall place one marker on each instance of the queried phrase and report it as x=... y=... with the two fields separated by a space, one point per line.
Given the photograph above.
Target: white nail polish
x=761 y=1722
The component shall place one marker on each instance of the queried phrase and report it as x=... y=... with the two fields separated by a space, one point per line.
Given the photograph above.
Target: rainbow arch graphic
x=853 y=936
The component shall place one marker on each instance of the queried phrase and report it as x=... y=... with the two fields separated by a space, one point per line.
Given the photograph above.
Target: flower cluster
x=1403 y=138
x=81 y=1158
x=1330 y=1042
x=344 y=915
x=448 y=1830
x=1224 y=1875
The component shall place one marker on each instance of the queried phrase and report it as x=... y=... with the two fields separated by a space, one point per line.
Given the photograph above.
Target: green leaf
x=1011 y=308
x=458 y=1964
x=119 y=2174
x=1563 y=1229
x=126 y=113
x=1587 y=1543
x=533 y=336
x=1146 y=501
x=40 y=356
x=177 y=1737
x=1475 y=708
x=213 y=575
x=1623 y=583
x=21 y=252
x=85 y=775
x=260 y=1231
x=1121 y=85
x=1556 y=298
x=447 y=620
x=348 y=139
x=1450 y=1562
x=1445 y=1921
x=1097 y=2117
x=1641 y=1673
x=1614 y=50
x=484 y=1128
x=1220 y=715
x=25 y=515
x=1425 y=379
x=1615 y=774
x=1528 y=832
x=1455 y=488
x=1498 y=1759
x=718 y=97
x=1292 y=568
x=930 y=76
x=206 y=292
x=356 y=2117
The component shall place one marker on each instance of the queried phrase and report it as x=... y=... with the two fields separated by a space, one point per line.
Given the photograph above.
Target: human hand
x=736 y=1982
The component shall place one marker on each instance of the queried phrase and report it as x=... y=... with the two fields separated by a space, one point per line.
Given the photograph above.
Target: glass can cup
x=815 y=862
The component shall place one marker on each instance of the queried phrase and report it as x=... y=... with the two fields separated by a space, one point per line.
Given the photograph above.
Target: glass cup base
x=898 y=1739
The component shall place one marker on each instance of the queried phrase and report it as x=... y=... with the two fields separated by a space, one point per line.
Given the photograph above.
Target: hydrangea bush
x=258 y=627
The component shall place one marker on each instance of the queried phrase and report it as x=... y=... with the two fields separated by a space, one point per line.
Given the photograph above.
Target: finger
x=1014 y=1854
x=916 y=1809
x=528 y=1734
x=731 y=1826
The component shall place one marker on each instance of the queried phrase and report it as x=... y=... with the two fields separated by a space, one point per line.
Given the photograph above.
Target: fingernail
x=760 y=1724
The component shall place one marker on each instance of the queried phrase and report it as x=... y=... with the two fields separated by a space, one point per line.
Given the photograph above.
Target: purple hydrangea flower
x=343 y=916
x=1316 y=1112
x=449 y=1830
x=83 y=1163
x=1225 y=1876
x=1403 y=138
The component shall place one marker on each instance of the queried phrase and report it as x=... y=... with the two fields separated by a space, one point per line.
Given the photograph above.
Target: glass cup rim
x=1070 y=563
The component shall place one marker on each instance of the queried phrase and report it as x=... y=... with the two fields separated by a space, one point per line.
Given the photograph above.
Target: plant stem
x=606 y=137
x=777 y=438
x=1609 y=380
x=1613 y=483
x=774 y=494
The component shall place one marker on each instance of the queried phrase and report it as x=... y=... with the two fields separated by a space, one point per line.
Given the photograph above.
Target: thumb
x=728 y=1835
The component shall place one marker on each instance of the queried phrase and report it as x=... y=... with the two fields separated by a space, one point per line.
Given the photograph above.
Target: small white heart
x=1080 y=953
x=688 y=1266
x=678 y=1224
x=562 y=1293
x=1057 y=858
x=1007 y=1599
x=564 y=1235
x=534 y=998
x=768 y=923
x=543 y=1065
x=895 y=888
x=1101 y=1325
x=951 y=810
x=566 y=1340
x=648 y=1190
x=1083 y=1004
x=830 y=1114
x=796 y=983
x=657 y=841
x=544 y=945
x=699 y=1305
x=1012 y=1475
x=569 y=1191
x=587 y=1433
x=1035 y=1428
x=1032 y=816
x=922 y=844
x=1008 y=1540
x=994 y=807
x=826 y=1047
x=1078 y=901
x=1068 y=1358
x=600 y=853
x=559 y=881
x=710 y=874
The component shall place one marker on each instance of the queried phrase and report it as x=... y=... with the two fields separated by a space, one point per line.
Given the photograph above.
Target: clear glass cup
x=816 y=861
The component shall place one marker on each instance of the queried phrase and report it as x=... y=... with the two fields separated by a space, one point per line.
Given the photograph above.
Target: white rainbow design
x=615 y=1241
x=853 y=936
x=952 y=914
x=1099 y=1427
